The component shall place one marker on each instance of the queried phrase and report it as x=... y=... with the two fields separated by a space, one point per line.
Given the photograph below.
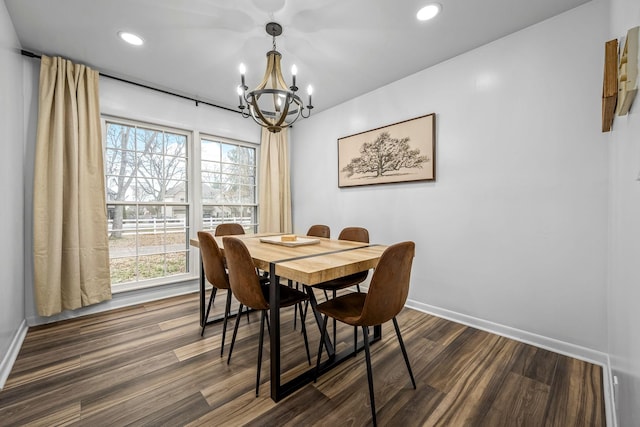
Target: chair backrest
x=212 y=261
x=319 y=230
x=229 y=229
x=389 y=285
x=355 y=234
x=243 y=279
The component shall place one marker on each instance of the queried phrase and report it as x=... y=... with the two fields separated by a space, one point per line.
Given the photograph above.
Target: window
x=147 y=184
x=228 y=178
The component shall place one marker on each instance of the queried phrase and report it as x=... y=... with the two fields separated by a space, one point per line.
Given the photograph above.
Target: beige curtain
x=275 y=184
x=70 y=242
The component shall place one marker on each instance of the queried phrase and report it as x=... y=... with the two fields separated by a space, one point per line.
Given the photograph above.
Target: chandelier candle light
x=272 y=104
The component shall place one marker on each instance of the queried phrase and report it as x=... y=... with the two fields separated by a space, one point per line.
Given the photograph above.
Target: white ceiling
x=193 y=47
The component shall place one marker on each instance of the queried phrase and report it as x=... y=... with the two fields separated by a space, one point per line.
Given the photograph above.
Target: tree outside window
x=147 y=202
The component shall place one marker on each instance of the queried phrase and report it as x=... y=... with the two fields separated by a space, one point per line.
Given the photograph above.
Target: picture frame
x=407 y=148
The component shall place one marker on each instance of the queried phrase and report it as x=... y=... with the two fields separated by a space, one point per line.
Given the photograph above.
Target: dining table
x=309 y=261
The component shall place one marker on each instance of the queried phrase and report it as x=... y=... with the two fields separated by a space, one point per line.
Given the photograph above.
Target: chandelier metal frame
x=272 y=104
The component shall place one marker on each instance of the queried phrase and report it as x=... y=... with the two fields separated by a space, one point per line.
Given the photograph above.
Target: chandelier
x=272 y=104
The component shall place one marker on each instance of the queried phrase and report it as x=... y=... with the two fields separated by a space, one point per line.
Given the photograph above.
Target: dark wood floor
x=148 y=365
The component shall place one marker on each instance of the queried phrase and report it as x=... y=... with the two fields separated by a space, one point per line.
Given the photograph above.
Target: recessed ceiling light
x=131 y=38
x=428 y=12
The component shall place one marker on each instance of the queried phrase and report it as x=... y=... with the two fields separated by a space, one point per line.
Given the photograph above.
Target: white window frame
x=193 y=270
x=198 y=178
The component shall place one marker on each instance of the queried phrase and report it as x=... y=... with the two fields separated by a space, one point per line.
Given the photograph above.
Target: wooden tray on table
x=300 y=241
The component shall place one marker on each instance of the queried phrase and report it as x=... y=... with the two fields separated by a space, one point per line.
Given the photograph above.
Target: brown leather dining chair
x=229 y=229
x=246 y=287
x=216 y=274
x=319 y=230
x=354 y=234
x=235 y=229
x=385 y=298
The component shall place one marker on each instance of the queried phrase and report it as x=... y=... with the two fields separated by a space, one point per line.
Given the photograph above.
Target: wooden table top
x=310 y=264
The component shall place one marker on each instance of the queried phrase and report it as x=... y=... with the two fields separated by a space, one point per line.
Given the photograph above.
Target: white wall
x=11 y=188
x=624 y=285
x=514 y=230
x=127 y=101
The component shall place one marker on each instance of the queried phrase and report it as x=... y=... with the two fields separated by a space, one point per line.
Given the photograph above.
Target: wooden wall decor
x=609 y=84
x=628 y=72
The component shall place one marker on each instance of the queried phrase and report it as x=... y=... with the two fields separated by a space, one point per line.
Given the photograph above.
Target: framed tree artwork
x=400 y=152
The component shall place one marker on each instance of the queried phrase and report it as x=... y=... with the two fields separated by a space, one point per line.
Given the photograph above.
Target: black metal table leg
x=314 y=303
x=279 y=390
x=274 y=336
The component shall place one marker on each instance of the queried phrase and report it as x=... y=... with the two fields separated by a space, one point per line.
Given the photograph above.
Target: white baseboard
x=551 y=344
x=12 y=353
x=609 y=395
x=557 y=346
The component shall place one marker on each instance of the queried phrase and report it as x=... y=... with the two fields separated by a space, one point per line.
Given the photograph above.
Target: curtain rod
x=197 y=101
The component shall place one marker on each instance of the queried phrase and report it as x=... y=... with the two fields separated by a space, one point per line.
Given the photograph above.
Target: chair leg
x=304 y=334
x=306 y=304
x=268 y=326
x=299 y=307
x=295 y=314
x=227 y=308
x=261 y=340
x=322 y=334
x=355 y=341
x=303 y=313
x=206 y=316
x=306 y=307
x=365 y=331
x=335 y=342
x=404 y=351
x=235 y=332
x=358 y=288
